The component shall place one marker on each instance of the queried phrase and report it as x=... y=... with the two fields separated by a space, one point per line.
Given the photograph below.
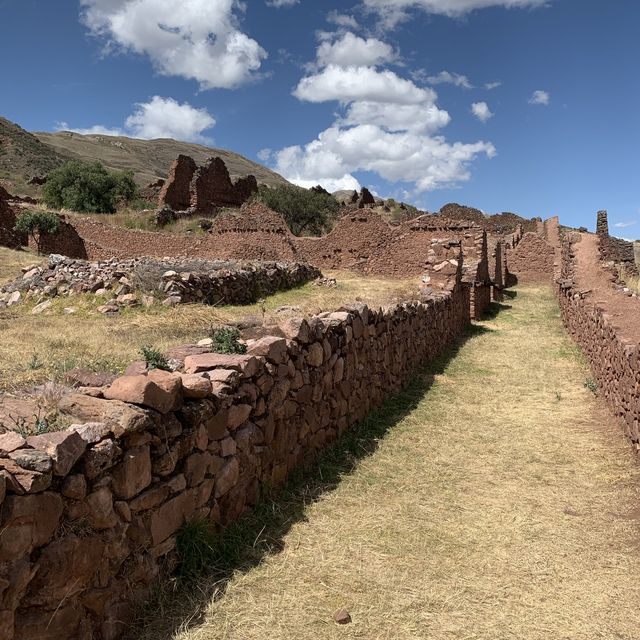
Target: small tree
x=38 y=225
x=80 y=186
x=306 y=212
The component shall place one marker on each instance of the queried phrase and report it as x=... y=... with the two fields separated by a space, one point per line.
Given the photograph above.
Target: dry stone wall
x=8 y=237
x=533 y=259
x=614 y=359
x=615 y=250
x=88 y=516
x=174 y=281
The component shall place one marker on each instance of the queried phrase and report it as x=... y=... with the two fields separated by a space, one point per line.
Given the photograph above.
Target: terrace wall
x=91 y=514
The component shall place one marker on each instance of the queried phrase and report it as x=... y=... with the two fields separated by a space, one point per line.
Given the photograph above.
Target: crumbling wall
x=615 y=250
x=8 y=236
x=613 y=358
x=201 y=190
x=533 y=259
x=91 y=514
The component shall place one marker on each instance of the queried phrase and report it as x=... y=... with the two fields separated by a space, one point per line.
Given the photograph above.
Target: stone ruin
x=193 y=190
x=8 y=236
x=145 y=280
x=620 y=253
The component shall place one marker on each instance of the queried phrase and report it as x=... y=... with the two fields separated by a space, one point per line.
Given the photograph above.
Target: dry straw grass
x=501 y=503
x=36 y=349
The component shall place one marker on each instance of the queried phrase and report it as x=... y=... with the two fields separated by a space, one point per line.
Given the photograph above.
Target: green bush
x=227 y=340
x=80 y=186
x=155 y=359
x=305 y=212
x=38 y=225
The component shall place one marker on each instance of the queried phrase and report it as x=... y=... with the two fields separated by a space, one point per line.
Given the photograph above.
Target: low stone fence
x=89 y=515
x=174 y=281
x=613 y=359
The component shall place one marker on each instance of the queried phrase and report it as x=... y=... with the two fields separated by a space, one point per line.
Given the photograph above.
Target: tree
x=38 y=225
x=306 y=212
x=80 y=186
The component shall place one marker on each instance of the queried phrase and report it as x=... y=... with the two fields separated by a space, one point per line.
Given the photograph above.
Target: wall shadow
x=494 y=309
x=512 y=295
x=181 y=605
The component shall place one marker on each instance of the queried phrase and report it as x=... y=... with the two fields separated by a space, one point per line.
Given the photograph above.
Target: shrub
x=38 y=225
x=305 y=212
x=88 y=187
x=227 y=340
x=155 y=359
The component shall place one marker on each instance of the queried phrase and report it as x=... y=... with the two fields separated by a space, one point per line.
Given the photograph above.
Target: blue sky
x=372 y=92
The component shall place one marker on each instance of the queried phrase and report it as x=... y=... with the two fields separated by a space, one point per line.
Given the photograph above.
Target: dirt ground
x=499 y=501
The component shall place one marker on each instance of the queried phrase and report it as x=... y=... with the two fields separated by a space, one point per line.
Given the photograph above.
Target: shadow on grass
x=181 y=605
x=494 y=309
x=512 y=295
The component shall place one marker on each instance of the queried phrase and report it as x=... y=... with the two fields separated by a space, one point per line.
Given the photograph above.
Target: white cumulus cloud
x=346 y=84
x=540 y=97
x=481 y=111
x=490 y=86
x=342 y=20
x=394 y=11
x=197 y=39
x=158 y=118
x=351 y=50
x=446 y=77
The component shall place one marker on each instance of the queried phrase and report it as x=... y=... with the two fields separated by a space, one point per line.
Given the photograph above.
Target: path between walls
x=501 y=504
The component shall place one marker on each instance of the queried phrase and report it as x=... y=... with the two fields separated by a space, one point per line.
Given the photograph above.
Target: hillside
x=149 y=159
x=23 y=155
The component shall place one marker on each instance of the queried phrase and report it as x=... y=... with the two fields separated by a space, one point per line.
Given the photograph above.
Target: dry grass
x=40 y=348
x=12 y=261
x=501 y=503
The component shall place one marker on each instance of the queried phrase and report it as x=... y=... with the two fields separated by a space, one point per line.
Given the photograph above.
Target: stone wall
x=172 y=281
x=8 y=237
x=533 y=259
x=615 y=250
x=614 y=359
x=203 y=189
x=89 y=515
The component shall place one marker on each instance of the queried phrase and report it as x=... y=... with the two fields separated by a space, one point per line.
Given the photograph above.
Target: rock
x=28 y=522
x=143 y=391
x=272 y=348
x=137 y=368
x=91 y=432
x=32 y=460
x=245 y=364
x=101 y=513
x=227 y=478
x=14 y=298
x=83 y=377
x=43 y=306
x=10 y=441
x=133 y=474
x=170 y=382
x=315 y=355
x=122 y=418
x=195 y=385
x=238 y=414
x=171 y=515
x=75 y=487
x=108 y=309
x=207 y=342
x=19 y=480
x=64 y=447
x=342 y=616
x=127 y=300
x=100 y=457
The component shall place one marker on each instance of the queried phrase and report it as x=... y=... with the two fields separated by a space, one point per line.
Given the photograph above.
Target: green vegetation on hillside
x=88 y=188
x=307 y=213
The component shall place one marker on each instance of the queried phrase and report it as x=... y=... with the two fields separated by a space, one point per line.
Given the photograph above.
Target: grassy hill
x=149 y=159
x=24 y=155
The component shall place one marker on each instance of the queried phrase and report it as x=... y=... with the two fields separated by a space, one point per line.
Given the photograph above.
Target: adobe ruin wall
x=613 y=358
x=89 y=516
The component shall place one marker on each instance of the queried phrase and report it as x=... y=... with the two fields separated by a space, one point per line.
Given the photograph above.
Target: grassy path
x=501 y=505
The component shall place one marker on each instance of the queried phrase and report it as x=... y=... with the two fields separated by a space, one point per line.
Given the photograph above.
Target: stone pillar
x=602 y=226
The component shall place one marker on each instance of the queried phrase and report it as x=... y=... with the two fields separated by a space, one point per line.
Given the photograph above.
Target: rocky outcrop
x=201 y=190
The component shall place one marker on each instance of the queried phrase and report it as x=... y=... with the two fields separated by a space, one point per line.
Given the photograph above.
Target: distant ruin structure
x=201 y=190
